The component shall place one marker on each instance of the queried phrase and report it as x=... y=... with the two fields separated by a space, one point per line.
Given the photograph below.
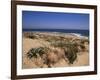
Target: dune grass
x=70 y=47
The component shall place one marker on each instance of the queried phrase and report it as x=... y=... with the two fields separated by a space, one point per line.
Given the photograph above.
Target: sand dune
x=57 y=61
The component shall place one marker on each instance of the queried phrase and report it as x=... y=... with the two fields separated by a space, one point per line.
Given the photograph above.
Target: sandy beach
x=55 y=55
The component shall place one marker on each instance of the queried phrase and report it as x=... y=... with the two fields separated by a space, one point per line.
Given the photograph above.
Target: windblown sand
x=82 y=57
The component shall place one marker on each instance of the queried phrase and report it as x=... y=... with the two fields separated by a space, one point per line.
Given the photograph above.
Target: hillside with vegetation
x=54 y=49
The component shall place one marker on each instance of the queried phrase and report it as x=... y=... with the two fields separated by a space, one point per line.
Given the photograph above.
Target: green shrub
x=37 y=51
x=71 y=52
x=32 y=36
x=70 y=49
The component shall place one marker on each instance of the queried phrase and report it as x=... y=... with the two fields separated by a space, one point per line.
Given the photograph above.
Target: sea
x=74 y=31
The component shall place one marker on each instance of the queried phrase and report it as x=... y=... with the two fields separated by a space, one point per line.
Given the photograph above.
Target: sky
x=54 y=20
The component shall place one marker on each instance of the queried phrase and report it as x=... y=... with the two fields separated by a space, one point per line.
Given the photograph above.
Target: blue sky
x=54 y=20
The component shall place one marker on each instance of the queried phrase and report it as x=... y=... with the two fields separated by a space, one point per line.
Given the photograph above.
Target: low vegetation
x=34 y=52
x=69 y=47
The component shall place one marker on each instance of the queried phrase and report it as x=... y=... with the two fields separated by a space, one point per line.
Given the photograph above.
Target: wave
x=79 y=35
x=76 y=34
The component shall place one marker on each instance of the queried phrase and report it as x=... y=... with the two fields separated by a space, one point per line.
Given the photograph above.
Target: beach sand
x=28 y=43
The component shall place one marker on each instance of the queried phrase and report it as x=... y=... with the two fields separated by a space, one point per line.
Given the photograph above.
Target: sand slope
x=82 y=59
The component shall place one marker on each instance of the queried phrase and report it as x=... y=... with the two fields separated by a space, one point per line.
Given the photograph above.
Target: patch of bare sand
x=30 y=43
x=82 y=59
x=61 y=63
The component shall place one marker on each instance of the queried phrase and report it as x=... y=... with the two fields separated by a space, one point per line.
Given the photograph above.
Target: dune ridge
x=48 y=49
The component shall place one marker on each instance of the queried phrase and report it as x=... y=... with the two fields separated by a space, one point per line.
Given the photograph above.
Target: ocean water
x=80 y=32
